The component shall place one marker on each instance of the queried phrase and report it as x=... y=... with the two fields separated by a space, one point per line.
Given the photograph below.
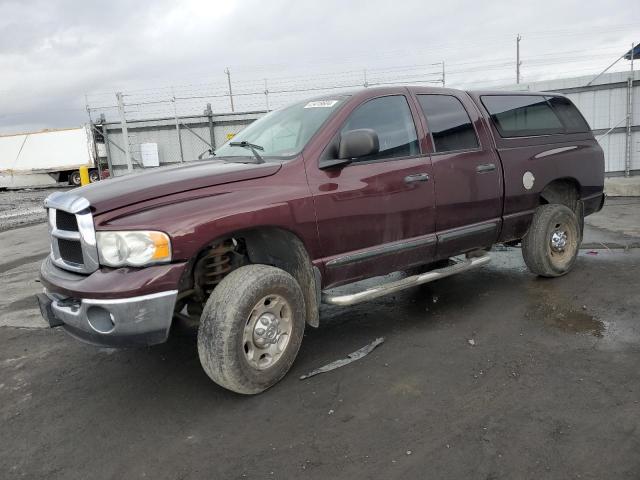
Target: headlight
x=135 y=249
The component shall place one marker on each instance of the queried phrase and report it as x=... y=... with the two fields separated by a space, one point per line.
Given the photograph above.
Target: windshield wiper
x=251 y=146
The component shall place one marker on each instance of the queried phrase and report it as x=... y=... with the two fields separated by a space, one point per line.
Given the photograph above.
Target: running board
x=408 y=282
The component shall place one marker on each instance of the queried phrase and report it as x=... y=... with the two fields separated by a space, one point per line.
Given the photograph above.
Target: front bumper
x=124 y=322
x=114 y=307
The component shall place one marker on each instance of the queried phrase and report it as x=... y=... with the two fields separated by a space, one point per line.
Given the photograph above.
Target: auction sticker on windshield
x=321 y=104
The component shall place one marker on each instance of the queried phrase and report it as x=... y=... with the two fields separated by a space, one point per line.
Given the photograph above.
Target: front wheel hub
x=267 y=331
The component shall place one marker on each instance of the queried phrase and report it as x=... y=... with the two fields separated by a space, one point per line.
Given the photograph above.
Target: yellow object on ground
x=84 y=175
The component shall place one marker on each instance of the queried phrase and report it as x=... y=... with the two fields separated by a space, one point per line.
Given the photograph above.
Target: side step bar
x=396 y=286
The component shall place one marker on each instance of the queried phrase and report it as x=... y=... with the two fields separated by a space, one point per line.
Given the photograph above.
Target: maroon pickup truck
x=323 y=193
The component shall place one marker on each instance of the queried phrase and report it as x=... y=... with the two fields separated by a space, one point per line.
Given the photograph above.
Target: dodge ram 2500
x=323 y=193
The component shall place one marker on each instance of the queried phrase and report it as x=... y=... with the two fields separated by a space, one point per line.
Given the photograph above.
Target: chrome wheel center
x=559 y=240
x=267 y=331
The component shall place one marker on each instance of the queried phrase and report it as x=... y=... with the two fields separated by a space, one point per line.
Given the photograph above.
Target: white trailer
x=47 y=157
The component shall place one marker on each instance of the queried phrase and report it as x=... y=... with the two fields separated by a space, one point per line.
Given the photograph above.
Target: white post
x=627 y=153
x=175 y=115
x=228 y=73
x=125 y=131
x=518 y=62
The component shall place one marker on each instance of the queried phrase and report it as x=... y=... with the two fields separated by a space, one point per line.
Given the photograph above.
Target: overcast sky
x=52 y=52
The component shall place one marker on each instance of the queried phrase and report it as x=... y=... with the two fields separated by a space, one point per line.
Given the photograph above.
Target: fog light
x=100 y=319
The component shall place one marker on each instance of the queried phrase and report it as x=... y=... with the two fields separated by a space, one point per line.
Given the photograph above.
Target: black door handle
x=486 y=167
x=416 y=177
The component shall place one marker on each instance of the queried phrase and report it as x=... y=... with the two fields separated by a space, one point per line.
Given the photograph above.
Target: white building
x=604 y=105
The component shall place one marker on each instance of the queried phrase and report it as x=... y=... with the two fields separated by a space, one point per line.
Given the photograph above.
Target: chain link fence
x=130 y=145
x=151 y=127
x=168 y=125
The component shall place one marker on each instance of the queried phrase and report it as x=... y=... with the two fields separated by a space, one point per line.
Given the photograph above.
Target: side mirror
x=358 y=143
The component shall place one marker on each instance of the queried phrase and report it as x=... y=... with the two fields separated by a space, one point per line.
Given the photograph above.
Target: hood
x=160 y=182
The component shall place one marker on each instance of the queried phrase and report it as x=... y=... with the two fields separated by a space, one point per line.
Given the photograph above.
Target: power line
x=187 y=98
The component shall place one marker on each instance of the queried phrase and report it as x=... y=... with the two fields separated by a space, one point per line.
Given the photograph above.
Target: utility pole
x=125 y=131
x=226 y=70
x=443 y=74
x=518 y=62
x=105 y=134
x=86 y=105
x=94 y=147
x=627 y=159
x=175 y=116
x=209 y=113
x=365 y=83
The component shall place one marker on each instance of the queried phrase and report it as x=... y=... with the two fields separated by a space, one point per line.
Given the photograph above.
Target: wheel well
x=565 y=191
x=267 y=245
x=63 y=176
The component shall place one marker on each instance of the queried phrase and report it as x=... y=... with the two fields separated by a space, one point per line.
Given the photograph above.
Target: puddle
x=569 y=320
x=555 y=309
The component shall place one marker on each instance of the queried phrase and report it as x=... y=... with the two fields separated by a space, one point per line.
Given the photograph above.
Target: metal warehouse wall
x=604 y=105
x=163 y=132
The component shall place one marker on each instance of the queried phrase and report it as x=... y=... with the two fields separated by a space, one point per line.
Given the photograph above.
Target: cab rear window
x=531 y=115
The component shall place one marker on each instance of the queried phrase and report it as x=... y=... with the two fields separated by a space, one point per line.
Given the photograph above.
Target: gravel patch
x=19 y=208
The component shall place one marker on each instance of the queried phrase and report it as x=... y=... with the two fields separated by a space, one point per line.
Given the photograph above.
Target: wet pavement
x=549 y=387
x=617 y=225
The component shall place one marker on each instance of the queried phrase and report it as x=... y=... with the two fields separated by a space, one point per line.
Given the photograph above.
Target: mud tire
x=537 y=251
x=220 y=336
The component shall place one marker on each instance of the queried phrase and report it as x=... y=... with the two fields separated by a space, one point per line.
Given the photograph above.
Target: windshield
x=282 y=133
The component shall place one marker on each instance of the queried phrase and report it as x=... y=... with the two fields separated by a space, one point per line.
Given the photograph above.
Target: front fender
x=193 y=223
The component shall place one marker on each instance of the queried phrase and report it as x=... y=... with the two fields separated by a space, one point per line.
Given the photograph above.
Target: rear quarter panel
x=546 y=158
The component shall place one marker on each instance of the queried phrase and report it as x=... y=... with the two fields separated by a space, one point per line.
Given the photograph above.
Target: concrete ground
x=622 y=186
x=550 y=387
x=620 y=217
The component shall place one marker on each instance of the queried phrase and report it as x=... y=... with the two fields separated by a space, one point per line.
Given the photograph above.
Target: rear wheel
x=550 y=247
x=94 y=176
x=251 y=328
x=74 y=178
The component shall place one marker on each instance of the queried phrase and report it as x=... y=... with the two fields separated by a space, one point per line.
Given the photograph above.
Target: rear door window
x=522 y=115
x=449 y=123
x=391 y=118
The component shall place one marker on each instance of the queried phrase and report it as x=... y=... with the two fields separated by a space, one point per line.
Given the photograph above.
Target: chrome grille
x=73 y=237
x=70 y=251
x=66 y=221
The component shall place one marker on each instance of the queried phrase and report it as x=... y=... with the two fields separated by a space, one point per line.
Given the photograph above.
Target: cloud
x=53 y=52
